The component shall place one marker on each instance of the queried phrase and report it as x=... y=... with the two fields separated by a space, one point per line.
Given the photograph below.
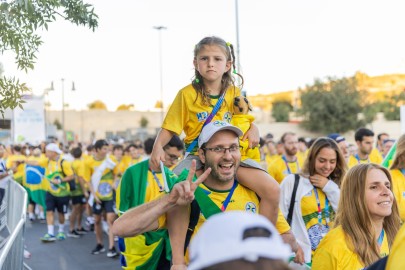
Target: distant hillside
x=377 y=86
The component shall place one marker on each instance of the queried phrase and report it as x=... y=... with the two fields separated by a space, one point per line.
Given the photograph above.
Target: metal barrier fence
x=12 y=227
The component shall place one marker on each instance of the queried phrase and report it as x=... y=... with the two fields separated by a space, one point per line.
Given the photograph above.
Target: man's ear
x=201 y=155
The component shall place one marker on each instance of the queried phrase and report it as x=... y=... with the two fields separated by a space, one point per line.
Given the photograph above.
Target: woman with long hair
x=366 y=222
x=397 y=171
x=312 y=210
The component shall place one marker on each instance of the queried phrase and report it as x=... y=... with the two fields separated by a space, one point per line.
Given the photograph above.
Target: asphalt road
x=69 y=254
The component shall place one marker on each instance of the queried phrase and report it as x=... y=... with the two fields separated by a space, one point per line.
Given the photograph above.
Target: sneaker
x=48 y=238
x=82 y=231
x=112 y=253
x=98 y=249
x=61 y=236
x=73 y=234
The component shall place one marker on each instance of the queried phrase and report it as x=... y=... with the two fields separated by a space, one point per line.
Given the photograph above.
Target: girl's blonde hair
x=227 y=78
x=354 y=217
x=309 y=164
x=399 y=158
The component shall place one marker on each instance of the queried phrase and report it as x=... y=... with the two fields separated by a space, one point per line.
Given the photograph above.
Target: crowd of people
x=223 y=197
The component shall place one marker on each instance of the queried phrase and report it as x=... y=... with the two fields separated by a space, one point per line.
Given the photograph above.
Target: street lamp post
x=160 y=28
x=63 y=106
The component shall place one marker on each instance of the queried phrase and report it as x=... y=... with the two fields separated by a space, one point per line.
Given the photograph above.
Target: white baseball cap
x=54 y=148
x=225 y=237
x=213 y=127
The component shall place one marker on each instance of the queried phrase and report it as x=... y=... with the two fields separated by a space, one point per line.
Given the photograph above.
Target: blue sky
x=283 y=45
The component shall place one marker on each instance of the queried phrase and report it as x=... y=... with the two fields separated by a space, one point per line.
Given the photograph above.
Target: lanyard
x=320 y=210
x=157 y=181
x=207 y=121
x=381 y=238
x=228 y=198
x=358 y=159
x=286 y=164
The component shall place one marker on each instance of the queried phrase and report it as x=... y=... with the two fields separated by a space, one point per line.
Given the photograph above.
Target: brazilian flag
x=390 y=156
x=35 y=185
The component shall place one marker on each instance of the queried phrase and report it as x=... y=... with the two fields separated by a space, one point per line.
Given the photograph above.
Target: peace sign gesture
x=183 y=192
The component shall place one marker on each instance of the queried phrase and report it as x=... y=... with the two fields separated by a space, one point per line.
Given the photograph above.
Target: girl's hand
x=252 y=135
x=318 y=181
x=158 y=154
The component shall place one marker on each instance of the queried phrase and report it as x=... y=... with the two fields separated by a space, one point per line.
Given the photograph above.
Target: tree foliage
x=97 y=105
x=125 y=107
x=20 y=21
x=281 y=110
x=390 y=106
x=332 y=106
x=144 y=122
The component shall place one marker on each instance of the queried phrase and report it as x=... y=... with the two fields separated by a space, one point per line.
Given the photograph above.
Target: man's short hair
x=361 y=133
x=174 y=142
x=76 y=152
x=118 y=147
x=148 y=144
x=285 y=135
x=100 y=143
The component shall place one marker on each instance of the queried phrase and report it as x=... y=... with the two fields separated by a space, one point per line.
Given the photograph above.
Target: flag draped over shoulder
x=35 y=185
x=131 y=193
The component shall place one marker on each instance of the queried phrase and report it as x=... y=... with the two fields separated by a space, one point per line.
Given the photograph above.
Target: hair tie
x=197 y=80
x=228 y=44
x=234 y=71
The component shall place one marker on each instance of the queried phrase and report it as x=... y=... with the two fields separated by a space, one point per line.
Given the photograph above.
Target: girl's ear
x=195 y=64
x=228 y=65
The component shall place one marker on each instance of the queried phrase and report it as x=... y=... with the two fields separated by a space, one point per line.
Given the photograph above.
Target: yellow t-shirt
x=309 y=208
x=188 y=113
x=333 y=253
x=13 y=160
x=133 y=249
x=78 y=169
x=374 y=157
x=51 y=167
x=396 y=260
x=126 y=162
x=398 y=188
x=105 y=187
x=279 y=169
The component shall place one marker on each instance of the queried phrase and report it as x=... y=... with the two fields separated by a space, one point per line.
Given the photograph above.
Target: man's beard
x=217 y=176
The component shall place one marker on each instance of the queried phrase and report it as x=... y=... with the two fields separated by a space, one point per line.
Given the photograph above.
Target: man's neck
x=362 y=155
x=98 y=158
x=218 y=185
x=289 y=158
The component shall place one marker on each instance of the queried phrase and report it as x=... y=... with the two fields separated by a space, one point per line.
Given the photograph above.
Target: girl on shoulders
x=210 y=96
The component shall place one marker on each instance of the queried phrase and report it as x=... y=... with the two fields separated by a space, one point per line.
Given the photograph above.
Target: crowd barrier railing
x=12 y=226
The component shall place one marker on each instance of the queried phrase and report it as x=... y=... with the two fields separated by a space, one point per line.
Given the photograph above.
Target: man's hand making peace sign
x=182 y=193
x=144 y=218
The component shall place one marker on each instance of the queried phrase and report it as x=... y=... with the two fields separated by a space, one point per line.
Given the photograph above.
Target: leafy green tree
x=20 y=21
x=391 y=106
x=144 y=122
x=57 y=124
x=281 y=110
x=97 y=105
x=332 y=106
